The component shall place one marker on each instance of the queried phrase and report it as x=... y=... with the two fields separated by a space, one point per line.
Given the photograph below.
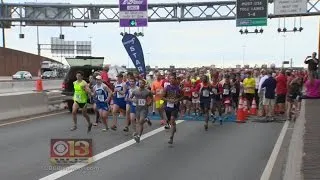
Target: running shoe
x=114 y=128
x=73 y=128
x=148 y=121
x=137 y=138
x=89 y=128
x=126 y=129
x=214 y=119
x=170 y=140
x=167 y=126
x=206 y=127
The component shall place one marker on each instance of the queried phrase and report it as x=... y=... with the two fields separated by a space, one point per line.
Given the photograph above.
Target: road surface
x=228 y=152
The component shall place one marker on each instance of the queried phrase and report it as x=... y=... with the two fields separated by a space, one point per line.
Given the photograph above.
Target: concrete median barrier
x=20 y=86
x=22 y=104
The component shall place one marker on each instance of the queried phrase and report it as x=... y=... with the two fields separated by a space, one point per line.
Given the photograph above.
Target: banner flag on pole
x=134 y=50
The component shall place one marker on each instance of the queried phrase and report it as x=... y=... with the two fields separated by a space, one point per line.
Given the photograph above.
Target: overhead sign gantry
x=68 y=14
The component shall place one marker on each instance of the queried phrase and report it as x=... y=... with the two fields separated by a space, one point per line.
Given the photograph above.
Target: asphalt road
x=228 y=152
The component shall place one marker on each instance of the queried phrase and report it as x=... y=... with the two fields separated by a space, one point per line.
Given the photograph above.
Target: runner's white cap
x=99 y=77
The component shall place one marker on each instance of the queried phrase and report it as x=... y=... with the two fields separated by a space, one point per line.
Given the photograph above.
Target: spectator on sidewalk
x=312 y=87
x=313 y=63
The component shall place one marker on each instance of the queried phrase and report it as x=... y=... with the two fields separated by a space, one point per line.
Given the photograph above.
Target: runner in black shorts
x=205 y=92
x=172 y=96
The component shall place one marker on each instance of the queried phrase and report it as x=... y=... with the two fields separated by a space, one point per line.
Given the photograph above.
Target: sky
x=185 y=44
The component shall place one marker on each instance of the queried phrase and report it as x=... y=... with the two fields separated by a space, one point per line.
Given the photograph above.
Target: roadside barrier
x=22 y=104
x=28 y=85
x=15 y=105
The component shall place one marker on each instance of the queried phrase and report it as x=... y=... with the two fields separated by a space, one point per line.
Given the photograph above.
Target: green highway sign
x=252 y=13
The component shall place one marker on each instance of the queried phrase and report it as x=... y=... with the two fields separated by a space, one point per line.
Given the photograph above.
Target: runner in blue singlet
x=103 y=95
x=119 y=95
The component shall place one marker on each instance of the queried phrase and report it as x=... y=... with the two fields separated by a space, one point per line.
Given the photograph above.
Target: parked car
x=48 y=75
x=84 y=65
x=22 y=75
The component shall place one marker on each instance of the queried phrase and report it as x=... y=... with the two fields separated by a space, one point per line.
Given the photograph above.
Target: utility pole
x=38 y=40
x=3 y=30
x=243 y=54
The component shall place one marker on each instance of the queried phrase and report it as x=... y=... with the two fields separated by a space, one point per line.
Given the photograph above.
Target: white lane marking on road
x=101 y=155
x=33 y=118
x=273 y=157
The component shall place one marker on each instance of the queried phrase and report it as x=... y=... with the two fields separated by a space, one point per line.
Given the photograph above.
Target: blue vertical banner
x=134 y=49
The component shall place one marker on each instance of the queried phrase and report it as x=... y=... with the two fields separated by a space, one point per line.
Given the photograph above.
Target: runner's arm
x=87 y=88
x=151 y=97
x=94 y=91
x=180 y=98
x=164 y=97
x=124 y=90
x=109 y=92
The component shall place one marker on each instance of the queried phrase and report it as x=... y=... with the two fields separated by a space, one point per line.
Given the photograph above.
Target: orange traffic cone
x=240 y=113
x=253 y=110
x=245 y=108
x=39 y=86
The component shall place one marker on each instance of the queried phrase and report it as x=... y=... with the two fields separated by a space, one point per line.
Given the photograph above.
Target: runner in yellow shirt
x=80 y=97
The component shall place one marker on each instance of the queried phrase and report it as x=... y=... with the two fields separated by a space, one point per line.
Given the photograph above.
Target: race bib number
x=205 y=93
x=215 y=91
x=141 y=102
x=78 y=97
x=159 y=91
x=233 y=90
x=195 y=94
x=170 y=105
x=226 y=92
x=187 y=89
x=120 y=95
x=101 y=98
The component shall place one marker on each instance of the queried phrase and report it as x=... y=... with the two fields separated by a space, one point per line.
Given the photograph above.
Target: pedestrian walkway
x=311 y=158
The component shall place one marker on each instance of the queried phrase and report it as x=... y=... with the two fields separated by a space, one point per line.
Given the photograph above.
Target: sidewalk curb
x=295 y=152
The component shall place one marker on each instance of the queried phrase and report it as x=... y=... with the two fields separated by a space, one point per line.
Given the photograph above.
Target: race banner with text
x=134 y=49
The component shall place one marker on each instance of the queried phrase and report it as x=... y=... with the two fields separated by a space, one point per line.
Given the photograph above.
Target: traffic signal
x=133 y=23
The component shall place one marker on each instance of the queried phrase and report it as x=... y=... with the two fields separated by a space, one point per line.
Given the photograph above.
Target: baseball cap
x=99 y=77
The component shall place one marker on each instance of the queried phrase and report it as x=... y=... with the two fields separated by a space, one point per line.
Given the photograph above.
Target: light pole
x=284 y=47
x=38 y=39
x=243 y=54
x=3 y=30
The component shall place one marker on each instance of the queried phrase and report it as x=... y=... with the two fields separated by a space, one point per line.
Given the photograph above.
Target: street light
x=61 y=36
x=284 y=47
x=243 y=53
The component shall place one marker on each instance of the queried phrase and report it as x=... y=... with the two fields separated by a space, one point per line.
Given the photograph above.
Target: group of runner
x=171 y=94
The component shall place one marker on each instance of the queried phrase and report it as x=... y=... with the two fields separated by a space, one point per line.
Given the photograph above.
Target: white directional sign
x=284 y=7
